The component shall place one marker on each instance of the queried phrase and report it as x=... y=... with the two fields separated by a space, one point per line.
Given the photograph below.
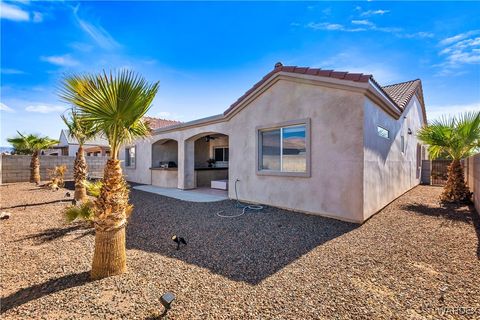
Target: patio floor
x=194 y=195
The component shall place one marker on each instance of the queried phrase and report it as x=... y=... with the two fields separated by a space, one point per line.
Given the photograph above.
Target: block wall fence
x=16 y=168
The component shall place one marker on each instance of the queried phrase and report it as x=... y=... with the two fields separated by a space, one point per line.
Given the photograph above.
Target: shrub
x=57 y=176
x=83 y=211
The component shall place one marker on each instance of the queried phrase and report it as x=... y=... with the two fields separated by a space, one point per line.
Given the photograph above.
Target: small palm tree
x=32 y=144
x=454 y=138
x=115 y=105
x=82 y=131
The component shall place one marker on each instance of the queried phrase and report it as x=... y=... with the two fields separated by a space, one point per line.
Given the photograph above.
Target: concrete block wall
x=16 y=168
x=472 y=175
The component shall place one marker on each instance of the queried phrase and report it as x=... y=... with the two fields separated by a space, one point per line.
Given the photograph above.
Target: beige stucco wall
x=336 y=182
x=335 y=185
x=472 y=175
x=388 y=172
x=165 y=178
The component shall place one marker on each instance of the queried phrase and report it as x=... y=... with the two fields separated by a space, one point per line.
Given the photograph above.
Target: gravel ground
x=413 y=260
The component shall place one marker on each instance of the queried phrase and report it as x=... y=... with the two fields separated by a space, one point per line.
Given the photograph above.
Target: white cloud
x=96 y=32
x=460 y=36
x=4 y=107
x=420 y=35
x=14 y=13
x=436 y=112
x=362 y=22
x=43 y=108
x=332 y=27
x=12 y=71
x=64 y=61
x=373 y=12
x=459 y=50
x=366 y=25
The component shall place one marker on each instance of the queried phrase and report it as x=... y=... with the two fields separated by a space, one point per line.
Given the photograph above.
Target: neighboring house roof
x=98 y=141
x=157 y=123
x=154 y=123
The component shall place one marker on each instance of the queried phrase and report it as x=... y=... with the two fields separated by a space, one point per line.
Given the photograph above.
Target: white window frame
x=388 y=132
x=127 y=151
x=281 y=126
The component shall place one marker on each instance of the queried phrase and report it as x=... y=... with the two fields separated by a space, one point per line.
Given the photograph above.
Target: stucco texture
x=389 y=172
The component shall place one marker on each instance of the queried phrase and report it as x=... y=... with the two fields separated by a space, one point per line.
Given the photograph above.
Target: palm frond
x=79 y=128
x=28 y=144
x=113 y=103
x=455 y=137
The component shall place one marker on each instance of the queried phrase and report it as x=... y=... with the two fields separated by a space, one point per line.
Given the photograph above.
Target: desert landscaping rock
x=415 y=259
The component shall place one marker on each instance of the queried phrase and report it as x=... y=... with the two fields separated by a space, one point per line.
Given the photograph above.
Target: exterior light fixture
x=409 y=131
x=167 y=300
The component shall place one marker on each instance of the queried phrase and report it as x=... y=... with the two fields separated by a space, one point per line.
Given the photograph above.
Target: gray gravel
x=415 y=259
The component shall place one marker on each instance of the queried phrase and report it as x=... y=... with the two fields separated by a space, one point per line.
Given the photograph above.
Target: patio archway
x=208 y=154
x=164 y=167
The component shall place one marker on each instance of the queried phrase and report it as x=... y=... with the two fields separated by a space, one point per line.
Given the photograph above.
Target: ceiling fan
x=208 y=138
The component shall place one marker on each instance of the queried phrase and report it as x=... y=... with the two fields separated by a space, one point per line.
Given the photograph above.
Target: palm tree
x=32 y=144
x=115 y=105
x=82 y=131
x=454 y=138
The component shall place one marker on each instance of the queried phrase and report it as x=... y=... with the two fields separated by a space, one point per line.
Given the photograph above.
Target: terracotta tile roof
x=343 y=75
x=399 y=94
x=402 y=92
x=157 y=123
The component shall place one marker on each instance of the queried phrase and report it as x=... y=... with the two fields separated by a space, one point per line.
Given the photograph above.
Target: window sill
x=283 y=174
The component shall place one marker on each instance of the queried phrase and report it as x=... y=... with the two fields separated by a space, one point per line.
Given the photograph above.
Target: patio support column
x=186 y=164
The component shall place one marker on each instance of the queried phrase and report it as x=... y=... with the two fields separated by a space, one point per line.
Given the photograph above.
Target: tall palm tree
x=82 y=131
x=115 y=105
x=454 y=138
x=32 y=144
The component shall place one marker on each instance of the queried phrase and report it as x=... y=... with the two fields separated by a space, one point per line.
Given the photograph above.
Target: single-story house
x=68 y=145
x=324 y=142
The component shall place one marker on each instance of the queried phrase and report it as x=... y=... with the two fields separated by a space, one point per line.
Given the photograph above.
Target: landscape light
x=167 y=300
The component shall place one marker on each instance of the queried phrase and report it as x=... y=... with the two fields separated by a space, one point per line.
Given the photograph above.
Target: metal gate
x=439 y=172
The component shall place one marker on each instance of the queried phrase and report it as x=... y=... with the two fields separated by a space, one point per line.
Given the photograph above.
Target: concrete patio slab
x=195 y=195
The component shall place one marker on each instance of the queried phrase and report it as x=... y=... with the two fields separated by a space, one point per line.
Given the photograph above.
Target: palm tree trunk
x=35 y=168
x=80 y=175
x=456 y=190
x=111 y=209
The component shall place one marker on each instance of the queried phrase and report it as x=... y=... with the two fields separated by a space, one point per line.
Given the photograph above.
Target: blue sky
x=206 y=55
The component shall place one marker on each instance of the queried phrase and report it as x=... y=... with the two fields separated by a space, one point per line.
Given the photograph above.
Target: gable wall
x=335 y=185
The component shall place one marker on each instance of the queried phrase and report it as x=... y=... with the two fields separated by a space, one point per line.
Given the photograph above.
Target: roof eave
x=376 y=93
